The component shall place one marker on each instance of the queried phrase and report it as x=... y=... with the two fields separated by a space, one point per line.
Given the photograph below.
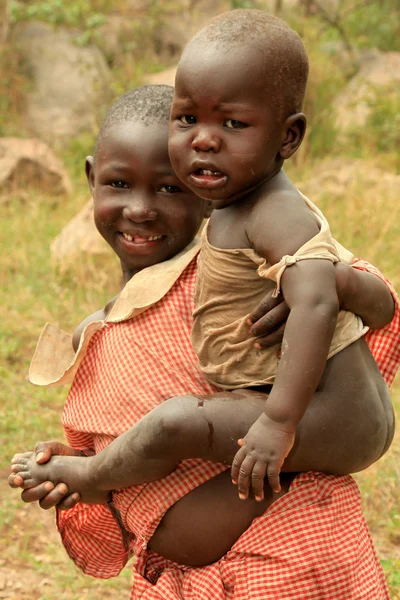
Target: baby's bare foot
x=25 y=469
x=73 y=471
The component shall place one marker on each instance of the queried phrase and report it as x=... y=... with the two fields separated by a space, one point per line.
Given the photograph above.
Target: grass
x=35 y=292
x=364 y=216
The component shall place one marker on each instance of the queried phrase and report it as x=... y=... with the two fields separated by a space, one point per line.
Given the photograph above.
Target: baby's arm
x=361 y=292
x=310 y=292
x=279 y=226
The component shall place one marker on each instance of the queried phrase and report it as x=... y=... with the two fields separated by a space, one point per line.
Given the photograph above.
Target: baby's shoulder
x=288 y=203
x=281 y=223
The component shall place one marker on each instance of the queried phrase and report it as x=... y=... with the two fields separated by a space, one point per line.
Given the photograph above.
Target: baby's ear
x=207 y=209
x=89 y=170
x=295 y=128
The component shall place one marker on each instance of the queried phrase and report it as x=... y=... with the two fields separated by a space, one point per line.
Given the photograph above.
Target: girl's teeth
x=151 y=238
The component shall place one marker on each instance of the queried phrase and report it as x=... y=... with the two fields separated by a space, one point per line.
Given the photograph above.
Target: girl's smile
x=141 y=208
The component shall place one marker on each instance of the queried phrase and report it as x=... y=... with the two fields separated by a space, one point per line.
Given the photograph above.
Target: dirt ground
x=33 y=563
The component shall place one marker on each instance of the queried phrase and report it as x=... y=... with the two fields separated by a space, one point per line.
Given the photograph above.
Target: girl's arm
x=365 y=295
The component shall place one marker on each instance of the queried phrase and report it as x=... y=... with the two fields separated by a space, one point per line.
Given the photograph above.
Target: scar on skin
x=210 y=437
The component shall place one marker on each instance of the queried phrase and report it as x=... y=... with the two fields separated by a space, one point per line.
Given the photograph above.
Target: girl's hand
x=262 y=452
x=46 y=493
x=267 y=321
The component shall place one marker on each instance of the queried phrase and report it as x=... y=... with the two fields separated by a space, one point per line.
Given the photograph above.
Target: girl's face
x=141 y=208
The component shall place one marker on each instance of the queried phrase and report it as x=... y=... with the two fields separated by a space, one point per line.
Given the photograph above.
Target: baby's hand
x=262 y=452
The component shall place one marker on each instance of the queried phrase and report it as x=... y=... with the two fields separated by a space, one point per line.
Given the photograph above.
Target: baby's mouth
x=208 y=178
x=208 y=172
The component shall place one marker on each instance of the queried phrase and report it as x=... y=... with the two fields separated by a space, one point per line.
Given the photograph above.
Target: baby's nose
x=206 y=140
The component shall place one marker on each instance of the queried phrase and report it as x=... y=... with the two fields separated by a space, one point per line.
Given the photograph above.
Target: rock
x=67 y=80
x=115 y=38
x=175 y=30
x=26 y=163
x=379 y=75
x=80 y=236
x=166 y=77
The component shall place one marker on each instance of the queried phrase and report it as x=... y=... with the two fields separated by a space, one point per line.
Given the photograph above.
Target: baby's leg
x=348 y=425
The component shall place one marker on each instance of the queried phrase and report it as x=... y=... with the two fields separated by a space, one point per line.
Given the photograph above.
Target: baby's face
x=224 y=136
x=140 y=207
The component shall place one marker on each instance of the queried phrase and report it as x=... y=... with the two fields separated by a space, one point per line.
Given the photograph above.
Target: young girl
x=135 y=355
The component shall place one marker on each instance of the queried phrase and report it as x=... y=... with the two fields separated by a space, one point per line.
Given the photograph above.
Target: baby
x=236 y=117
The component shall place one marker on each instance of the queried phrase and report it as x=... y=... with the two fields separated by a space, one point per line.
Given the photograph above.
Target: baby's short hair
x=148 y=104
x=280 y=45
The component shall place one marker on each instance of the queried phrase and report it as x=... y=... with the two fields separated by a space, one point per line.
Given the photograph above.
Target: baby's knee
x=180 y=416
x=177 y=422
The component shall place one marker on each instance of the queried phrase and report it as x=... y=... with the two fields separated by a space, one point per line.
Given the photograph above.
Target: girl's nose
x=206 y=140
x=140 y=210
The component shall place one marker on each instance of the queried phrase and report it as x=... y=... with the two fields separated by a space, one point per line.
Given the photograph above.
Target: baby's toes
x=18 y=467
x=15 y=481
x=21 y=458
x=27 y=480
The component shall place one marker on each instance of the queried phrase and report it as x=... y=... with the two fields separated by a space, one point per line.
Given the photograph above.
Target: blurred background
x=62 y=63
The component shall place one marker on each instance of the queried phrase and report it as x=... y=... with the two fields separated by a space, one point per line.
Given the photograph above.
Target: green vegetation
x=36 y=291
x=57 y=12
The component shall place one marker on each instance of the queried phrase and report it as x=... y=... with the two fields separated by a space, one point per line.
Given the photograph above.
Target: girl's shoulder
x=98 y=315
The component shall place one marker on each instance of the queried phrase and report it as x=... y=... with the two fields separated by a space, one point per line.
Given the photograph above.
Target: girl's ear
x=295 y=128
x=89 y=170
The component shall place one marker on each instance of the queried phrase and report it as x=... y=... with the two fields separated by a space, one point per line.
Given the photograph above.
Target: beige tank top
x=230 y=283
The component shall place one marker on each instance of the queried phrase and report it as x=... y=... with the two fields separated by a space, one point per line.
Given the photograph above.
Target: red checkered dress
x=312 y=543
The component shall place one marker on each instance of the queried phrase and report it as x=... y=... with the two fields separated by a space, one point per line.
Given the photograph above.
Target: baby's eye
x=169 y=189
x=187 y=119
x=119 y=184
x=233 y=124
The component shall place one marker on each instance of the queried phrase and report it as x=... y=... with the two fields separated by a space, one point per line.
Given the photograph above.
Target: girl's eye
x=233 y=124
x=187 y=119
x=119 y=184
x=169 y=189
